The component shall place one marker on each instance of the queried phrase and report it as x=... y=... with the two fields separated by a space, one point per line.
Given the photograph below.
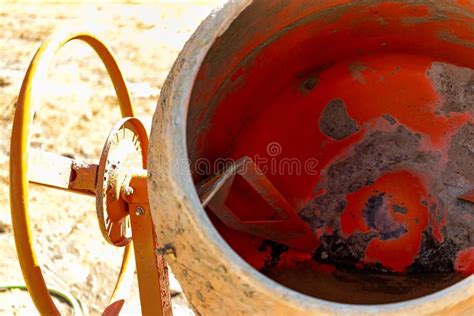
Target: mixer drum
x=360 y=113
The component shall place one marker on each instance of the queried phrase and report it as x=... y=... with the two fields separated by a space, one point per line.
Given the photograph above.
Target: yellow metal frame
x=19 y=155
x=152 y=270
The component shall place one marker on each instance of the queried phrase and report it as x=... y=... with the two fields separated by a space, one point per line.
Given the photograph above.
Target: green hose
x=67 y=297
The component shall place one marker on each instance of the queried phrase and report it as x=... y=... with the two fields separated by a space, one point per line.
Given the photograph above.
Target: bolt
x=128 y=191
x=139 y=211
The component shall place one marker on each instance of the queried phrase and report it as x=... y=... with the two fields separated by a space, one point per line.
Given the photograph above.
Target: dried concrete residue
x=356 y=70
x=398 y=148
x=335 y=122
x=399 y=209
x=381 y=152
x=434 y=256
x=460 y=166
x=377 y=216
x=456 y=86
x=389 y=119
x=276 y=251
x=347 y=251
x=458 y=177
x=378 y=153
x=451 y=37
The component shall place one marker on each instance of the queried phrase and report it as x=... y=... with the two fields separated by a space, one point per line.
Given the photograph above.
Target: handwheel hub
x=123 y=152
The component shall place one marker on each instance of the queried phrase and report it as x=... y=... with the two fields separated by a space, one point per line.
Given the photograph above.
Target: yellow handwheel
x=19 y=156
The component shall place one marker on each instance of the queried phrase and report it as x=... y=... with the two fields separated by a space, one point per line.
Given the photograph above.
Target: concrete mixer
x=305 y=158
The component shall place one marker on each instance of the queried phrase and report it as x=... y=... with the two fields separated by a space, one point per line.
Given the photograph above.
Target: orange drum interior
x=361 y=115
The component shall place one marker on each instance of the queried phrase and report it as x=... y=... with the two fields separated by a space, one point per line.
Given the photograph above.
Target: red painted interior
x=375 y=59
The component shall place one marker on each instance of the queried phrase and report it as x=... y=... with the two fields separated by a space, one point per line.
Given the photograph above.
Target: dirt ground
x=78 y=108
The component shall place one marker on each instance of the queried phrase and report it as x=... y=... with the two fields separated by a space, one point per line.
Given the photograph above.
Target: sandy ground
x=78 y=108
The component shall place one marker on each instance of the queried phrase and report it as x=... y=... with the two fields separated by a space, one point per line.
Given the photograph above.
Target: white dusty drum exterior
x=214 y=278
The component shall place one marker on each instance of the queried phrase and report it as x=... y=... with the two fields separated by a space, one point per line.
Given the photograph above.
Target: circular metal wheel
x=24 y=113
x=125 y=149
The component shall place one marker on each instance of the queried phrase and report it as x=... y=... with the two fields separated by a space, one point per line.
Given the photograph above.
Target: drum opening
x=360 y=116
